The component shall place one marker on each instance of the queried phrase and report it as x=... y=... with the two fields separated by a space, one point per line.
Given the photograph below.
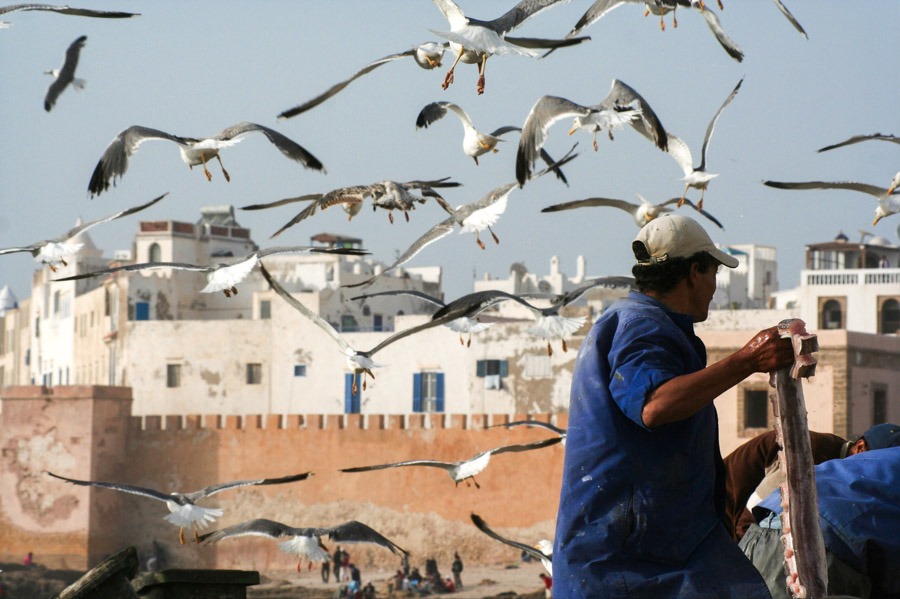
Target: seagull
x=471 y=218
x=621 y=106
x=697 y=177
x=65 y=75
x=462 y=325
x=474 y=40
x=114 y=162
x=360 y=362
x=888 y=198
x=427 y=55
x=305 y=542
x=183 y=508
x=642 y=213
x=465 y=469
x=68 y=10
x=542 y=551
x=858 y=138
x=660 y=8
x=223 y=276
x=53 y=252
x=351 y=199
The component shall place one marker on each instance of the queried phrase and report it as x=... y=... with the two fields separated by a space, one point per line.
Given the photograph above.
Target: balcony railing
x=868 y=276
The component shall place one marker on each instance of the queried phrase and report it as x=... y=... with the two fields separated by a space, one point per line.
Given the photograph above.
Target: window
x=493 y=372
x=56 y=302
x=254 y=374
x=348 y=322
x=428 y=392
x=889 y=317
x=173 y=375
x=377 y=323
x=351 y=399
x=756 y=409
x=299 y=369
x=879 y=404
x=142 y=311
x=265 y=309
x=537 y=366
x=37 y=326
x=832 y=315
x=154 y=254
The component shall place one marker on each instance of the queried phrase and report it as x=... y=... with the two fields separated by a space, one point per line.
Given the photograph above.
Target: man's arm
x=685 y=395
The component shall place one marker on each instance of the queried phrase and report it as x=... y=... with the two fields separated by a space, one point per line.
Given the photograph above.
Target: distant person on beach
x=457 y=569
x=642 y=500
x=336 y=558
x=326 y=570
x=345 y=566
x=29 y=559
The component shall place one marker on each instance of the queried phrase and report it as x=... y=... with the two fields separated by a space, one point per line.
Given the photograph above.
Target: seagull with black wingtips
x=543 y=551
x=64 y=76
x=642 y=213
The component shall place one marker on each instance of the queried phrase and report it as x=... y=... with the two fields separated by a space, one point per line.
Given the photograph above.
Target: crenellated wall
x=88 y=433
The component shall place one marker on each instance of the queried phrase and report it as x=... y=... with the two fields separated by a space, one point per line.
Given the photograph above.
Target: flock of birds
x=470 y=41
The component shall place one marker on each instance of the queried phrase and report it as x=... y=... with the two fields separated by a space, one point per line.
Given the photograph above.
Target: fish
x=804 y=546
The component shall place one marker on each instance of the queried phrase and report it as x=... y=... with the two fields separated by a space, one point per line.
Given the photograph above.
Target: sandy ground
x=480 y=582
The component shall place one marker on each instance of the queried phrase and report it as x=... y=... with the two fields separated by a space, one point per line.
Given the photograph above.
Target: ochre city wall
x=88 y=433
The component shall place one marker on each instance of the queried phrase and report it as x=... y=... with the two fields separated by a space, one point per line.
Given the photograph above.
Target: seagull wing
x=338 y=87
x=357 y=532
x=591 y=202
x=258 y=528
x=527 y=446
x=136 y=267
x=114 y=162
x=452 y=13
x=848 y=185
x=84 y=227
x=302 y=215
x=284 y=202
x=437 y=183
x=709 y=216
x=680 y=151
x=66 y=73
x=311 y=249
x=518 y=14
x=712 y=21
x=537 y=423
x=317 y=320
x=413 y=292
x=784 y=10
x=437 y=110
x=472 y=304
x=546 y=111
x=483 y=527
x=858 y=138
x=622 y=95
x=27 y=248
x=429 y=463
x=287 y=146
x=712 y=124
x=593 y=14
x=218 y=488
x=68 y=10
x=613 y=281
x=143 y=492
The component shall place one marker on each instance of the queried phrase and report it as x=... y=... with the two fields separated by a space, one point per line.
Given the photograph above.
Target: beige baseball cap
x=675 y=236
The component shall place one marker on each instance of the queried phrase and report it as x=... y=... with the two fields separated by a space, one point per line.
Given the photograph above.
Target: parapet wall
x=93 y=436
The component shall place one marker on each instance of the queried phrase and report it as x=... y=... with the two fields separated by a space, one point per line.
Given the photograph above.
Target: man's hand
x=767 y=351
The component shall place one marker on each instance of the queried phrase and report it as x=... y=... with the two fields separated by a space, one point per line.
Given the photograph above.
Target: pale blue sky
x=193 y=68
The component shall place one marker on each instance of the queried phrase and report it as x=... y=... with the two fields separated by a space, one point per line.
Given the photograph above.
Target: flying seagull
x=54 y=252
x=385 y=194
x=360 y=362
x=183 y=508
x=465 y=469
x=223 y=276
x=305 y=542
x=114 y=162
x=474 y=40
x=475 y=143
x=65 y=75
x=642 y=213
x=427 y=55
x=621 y=106
x=888 y=198
x=697 y=177
x=464 y=325
x=858 y=138
x=543 y=551
x=660 y=8
x=473 y=217
x=68 y=10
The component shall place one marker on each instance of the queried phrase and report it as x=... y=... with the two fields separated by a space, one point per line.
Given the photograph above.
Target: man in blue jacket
x=642 y=503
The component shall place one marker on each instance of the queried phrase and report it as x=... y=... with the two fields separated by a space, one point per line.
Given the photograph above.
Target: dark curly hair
x=662 y=277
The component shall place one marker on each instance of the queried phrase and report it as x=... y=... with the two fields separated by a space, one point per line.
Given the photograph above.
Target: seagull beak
x=573 y=130
x=878 y=217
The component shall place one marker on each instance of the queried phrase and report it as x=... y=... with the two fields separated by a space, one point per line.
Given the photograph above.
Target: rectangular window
x=879 y=404
x=352 y=389
x=173 y=375
x=377 y=323
x=756 y=409
x=141 y=311
x=254 y=374
x=348 y=323
x=491 y=368
x=265 y=309
x=537 y=366
x=299 y=369
x=428 y=392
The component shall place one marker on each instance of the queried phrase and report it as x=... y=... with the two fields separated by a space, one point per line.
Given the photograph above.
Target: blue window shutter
x=142 y=311
x=480 y=368
x=440 y=392
x=348 y=393
x=504 y=368
x=417 y=392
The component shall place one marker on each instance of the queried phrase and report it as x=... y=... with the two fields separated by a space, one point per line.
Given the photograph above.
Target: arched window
x=832 y=315
x=890 y=317
x=155 y=253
